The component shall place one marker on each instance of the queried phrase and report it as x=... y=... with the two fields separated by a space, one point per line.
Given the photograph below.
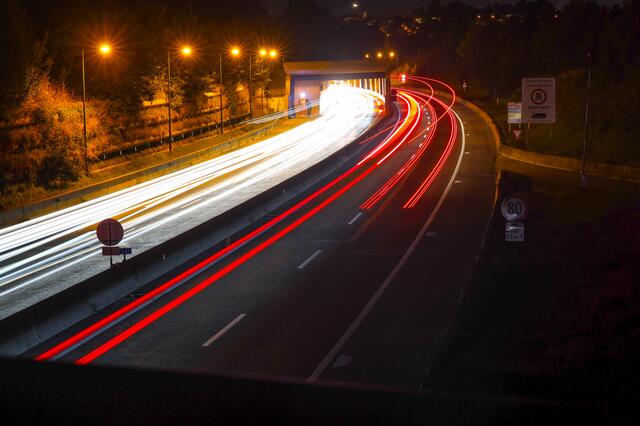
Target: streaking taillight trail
x=400 y=133
x=148 y=298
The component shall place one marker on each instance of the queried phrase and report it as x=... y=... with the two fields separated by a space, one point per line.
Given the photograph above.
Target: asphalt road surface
x=357 y=280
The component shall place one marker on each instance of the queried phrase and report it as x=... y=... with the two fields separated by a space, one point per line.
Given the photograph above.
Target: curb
x=609 y=171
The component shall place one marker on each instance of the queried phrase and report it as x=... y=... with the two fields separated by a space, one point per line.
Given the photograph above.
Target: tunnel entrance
x=305 y=81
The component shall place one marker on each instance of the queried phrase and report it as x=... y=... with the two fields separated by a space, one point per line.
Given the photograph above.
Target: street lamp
x=392 y=55
x=379 y=55
x=104 y=49
x=186 y=51
x=233 y=51
x=273 y=54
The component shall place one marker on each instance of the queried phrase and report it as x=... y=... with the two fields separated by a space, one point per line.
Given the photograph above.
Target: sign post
x=514 y=210
x=514 y=115
x=110 y=233
x=538 y=100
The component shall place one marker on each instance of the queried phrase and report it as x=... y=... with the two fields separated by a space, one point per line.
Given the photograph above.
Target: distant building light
x=303 y=95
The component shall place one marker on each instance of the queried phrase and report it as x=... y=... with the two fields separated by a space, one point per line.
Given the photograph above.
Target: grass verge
x=558 y=315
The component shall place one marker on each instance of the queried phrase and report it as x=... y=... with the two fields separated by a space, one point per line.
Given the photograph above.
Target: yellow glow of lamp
x=273 y=53
x=392 y=54
x=235 y=51
x=105 y=49
x=186 y=50
x=263 y=52
x=379 y=54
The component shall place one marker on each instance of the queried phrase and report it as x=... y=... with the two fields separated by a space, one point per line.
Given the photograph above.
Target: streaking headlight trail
x=59 y=249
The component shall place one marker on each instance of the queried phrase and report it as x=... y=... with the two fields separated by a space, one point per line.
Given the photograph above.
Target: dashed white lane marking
x=355 y=218
x=310 y=259
x=342 y=361
x=356 y=323
x=220 y=333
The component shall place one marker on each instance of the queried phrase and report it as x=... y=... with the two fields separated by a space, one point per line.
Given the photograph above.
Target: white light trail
x=47 y=247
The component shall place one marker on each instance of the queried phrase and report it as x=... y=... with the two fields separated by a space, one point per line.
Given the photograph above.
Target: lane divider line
x=310 y=259
x=226 y=328
x=374 y=299
x=355 y=218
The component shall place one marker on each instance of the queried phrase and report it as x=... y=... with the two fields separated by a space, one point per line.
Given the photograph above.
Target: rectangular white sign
x=514 y=232
x=538 y=100
x=514 y=112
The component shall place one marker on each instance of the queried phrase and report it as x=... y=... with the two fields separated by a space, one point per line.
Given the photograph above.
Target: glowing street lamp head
x=303 y=95
x=392 y=54
x=273 y=54
x=263 y=52
x=105 y=48
x=234 y=51
x=379 y=55
x=367 y=56
x=186 y=50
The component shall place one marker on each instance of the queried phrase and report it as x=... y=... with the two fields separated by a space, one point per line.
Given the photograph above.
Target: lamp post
x=272 y=54
x=221 y=106
x=169 y=95
x=104 y=49
x=186 y=51
x=392 y=55
x=84 y=118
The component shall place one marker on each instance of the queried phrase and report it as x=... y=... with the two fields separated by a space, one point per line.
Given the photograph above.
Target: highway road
x=45 y=255
x=356 y=280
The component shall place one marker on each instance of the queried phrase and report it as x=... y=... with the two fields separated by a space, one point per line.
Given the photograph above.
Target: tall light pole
x=392 y=55
x=250 y=97
x=169 y=95
x=84 y=118
x=105 y=49
x=221 y=109
x=186 y=51
x=264 y=53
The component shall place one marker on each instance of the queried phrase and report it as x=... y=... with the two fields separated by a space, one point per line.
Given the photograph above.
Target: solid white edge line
x=356 y=217
x=226 y=328
x=374 y=299
x=310 y=259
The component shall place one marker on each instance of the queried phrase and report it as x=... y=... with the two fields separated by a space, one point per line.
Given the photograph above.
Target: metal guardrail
x=132 y=149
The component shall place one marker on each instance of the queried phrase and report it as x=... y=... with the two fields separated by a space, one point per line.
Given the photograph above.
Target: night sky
x=394 y=7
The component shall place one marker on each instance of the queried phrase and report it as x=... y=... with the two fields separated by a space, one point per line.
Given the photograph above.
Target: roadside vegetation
x=491 y=49
x=554 y=317
x=41 y=111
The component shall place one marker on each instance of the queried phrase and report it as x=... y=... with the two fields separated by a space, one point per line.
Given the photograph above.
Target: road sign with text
x=514 y=209
x=514 y=112
x=538 y=100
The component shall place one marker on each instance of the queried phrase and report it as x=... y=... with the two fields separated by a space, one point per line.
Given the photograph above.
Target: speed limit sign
x=514 y=209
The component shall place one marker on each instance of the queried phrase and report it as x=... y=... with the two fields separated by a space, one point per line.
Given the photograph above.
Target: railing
x=132 y=149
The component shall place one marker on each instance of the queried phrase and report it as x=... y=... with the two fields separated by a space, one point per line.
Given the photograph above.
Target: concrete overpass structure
x=305 y=81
